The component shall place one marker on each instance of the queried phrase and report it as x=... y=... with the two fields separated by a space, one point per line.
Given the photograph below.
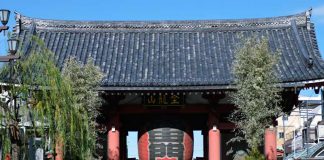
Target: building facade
x=300 y=130
x=165 y=79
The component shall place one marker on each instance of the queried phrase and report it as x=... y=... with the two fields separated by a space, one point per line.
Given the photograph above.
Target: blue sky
x=164 y=10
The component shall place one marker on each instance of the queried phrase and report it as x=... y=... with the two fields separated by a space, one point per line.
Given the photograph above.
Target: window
x=281 y=134
x=285 y=117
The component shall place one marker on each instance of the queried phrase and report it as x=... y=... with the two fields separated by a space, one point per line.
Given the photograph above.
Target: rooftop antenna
x=322 y=102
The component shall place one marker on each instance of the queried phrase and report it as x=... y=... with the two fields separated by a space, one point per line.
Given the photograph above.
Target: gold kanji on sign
x=160 y=100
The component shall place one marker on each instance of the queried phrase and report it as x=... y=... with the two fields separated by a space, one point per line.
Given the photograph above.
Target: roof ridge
x=300 y=18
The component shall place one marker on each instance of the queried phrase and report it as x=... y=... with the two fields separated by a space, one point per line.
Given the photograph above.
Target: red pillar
x=214 y=139
x=270 y=143
x=59 y=148
x=8 y=157
x=113 y=149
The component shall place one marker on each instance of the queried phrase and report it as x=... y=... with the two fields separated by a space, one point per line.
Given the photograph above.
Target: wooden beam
x=186 y=109
x=8 y=58
x=226 y=126
x=2 y=28
x=140 y=109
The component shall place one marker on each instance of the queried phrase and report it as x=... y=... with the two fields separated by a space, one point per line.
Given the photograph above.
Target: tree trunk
x=15 y=151
x=0 y=149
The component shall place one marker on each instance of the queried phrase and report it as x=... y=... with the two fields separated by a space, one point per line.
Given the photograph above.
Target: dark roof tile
x=177 y=53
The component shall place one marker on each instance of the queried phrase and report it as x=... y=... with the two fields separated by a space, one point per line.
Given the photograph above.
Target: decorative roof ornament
x=17 y=28
x=308 y=16
x=224 y=24
x=309 y=13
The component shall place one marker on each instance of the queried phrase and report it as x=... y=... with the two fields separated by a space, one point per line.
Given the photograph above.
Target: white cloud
x=318 y=11
x=318 y=14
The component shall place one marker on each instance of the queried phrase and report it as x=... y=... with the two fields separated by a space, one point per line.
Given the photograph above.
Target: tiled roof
x=157 y=54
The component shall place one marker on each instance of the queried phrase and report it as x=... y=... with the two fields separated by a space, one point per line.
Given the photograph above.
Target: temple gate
x=165 y=79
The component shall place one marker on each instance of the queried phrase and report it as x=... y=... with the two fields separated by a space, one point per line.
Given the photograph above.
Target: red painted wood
x=187 y=109
x=59 y=149
x=270 y=144
x=188 y=145
x=8 y=157
x=226 y=126
x=143 y=146
x=214 y=144
x=113 y=149
x=214 y=138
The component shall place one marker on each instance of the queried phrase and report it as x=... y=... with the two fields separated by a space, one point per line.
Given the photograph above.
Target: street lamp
x=4 y=18
x=13 y=46
x=12 y=43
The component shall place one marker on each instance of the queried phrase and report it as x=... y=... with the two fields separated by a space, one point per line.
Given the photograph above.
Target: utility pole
x=284 y=136
x=322 y=102
x=307 y=134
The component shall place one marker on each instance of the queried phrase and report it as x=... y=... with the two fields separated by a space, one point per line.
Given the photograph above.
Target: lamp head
x=4 y=16
x=13 y=46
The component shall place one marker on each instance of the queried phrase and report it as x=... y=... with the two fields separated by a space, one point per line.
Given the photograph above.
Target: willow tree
x=257 y=97
x=51 y=102
x=84 y=80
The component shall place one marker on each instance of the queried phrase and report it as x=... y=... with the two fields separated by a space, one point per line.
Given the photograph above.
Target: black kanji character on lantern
x=166 y=142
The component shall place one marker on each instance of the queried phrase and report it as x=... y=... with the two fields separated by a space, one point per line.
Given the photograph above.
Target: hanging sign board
x=163 y=100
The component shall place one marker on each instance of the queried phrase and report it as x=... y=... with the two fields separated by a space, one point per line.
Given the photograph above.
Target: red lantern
x=166 y=140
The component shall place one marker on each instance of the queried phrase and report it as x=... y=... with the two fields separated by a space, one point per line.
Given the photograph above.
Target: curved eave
x=288 y=85
x=200 y=38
